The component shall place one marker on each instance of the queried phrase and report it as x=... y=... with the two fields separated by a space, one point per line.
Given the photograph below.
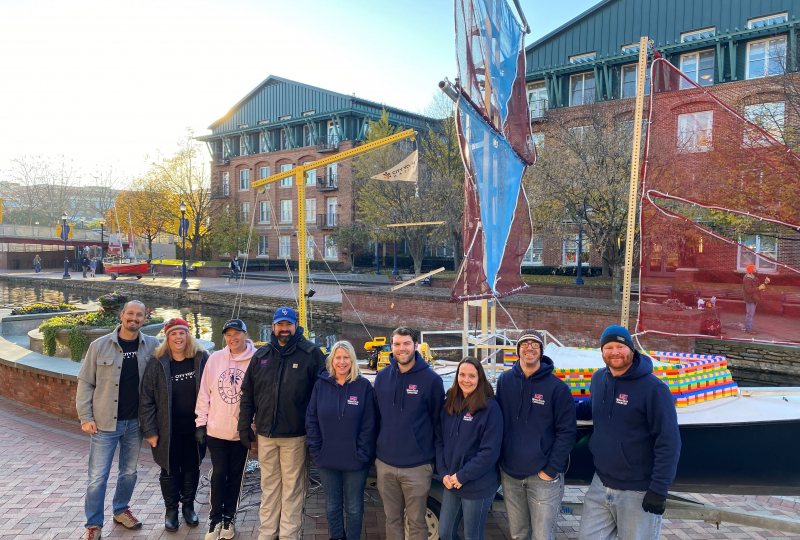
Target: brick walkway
x=43 y=479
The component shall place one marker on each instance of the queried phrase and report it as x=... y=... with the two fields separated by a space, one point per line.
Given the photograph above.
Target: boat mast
x=130 y=222
x=634 y=188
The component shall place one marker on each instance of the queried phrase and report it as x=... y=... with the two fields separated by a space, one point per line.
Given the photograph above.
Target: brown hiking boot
x=92 y=533
x=127 y=520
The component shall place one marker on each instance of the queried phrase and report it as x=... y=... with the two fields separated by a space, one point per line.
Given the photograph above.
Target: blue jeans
x=532 y=505
x=615 y=513
x=750 y=311
x=128 y=436
x=474 y=513
x=351 y=484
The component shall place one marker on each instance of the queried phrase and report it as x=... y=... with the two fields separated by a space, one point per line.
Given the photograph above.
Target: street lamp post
x=65 y=235
x=82 y=219
x=579 y=278
x=377 y=258
x=184 y=283
x=37 y=231
x=394 y=270
x=102 y=225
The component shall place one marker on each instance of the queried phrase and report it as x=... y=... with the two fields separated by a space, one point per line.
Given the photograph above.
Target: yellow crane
x=299 y=173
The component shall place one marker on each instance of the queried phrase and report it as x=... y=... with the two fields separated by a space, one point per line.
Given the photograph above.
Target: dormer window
x=262 y=122
x=242 y=126
x=308 y=113
x=282 y=118
x=630 y=48
x=697 y=35
x=769 y=20
x=582 y=58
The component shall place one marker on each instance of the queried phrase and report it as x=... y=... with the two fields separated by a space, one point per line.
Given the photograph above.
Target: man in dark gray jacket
x=107 y=400
x=277 y=389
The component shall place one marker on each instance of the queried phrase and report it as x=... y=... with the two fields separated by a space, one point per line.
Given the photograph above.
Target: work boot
x=93 y=532
x=188 y=491
x=170 y=490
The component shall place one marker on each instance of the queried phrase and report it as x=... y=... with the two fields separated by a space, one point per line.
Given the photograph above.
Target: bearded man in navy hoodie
x=409 y=397
x=539 y=431
x=636 y=444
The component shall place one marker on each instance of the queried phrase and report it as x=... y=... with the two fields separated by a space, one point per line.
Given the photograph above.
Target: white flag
x=405 y=171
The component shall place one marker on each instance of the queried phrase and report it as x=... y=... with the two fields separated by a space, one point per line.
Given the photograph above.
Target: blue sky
x=113 y=83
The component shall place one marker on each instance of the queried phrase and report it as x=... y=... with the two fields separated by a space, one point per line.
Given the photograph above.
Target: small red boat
x=122 y=268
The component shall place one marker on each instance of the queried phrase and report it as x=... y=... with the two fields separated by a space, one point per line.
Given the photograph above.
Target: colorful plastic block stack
x=691 y=378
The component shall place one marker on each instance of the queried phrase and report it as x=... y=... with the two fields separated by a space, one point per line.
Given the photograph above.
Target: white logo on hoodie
x=229 y=385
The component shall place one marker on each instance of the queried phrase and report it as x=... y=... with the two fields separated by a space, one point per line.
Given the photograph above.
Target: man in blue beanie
x=636 y=444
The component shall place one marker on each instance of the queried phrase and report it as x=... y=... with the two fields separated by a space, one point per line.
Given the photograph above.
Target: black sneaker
x=214 y=528
x=228 y=529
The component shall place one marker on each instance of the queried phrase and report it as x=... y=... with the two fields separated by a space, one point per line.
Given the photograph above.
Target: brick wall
x=576 y=322
x=49 y=394
x=275 y=193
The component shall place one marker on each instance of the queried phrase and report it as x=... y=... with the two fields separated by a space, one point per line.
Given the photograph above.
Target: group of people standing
x=291 y=399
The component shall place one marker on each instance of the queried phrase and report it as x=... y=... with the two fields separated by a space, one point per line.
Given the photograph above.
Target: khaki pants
x=404 y=490
x=284 y=479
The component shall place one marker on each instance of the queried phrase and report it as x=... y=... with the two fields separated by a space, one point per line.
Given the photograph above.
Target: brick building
x=743 y=50
x=281 y=124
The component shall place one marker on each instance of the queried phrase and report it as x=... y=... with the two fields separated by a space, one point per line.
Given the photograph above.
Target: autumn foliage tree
x=149 y=208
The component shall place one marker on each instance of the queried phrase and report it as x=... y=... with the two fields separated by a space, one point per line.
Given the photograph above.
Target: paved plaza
x=43 y=479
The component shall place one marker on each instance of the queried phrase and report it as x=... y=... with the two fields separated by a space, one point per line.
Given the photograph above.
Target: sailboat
x=119 y=266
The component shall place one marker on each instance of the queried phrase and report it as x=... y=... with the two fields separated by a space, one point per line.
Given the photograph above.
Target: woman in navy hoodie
x=340 y=432
x=468 y=443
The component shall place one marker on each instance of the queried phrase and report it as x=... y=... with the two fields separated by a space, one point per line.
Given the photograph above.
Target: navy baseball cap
x=284 y=314
x=236 y=324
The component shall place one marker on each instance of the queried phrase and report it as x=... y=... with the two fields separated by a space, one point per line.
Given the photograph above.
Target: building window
x=769 y=20
x=262 y=122
x=226 y=184
x=263 y=244
x=263 y=212
x=699 y=67
x=263 y=142
x=762 y=245
x=629 y=74
x=769 y=117
x=311 y=210
x=246 y=211
x=307 y=136
x=308 y=113
x=581 y=58
x=537 y=99
x=285 y=247
x=765 y=58
x=282 y=118
x=311 y=176
x=310 y=247
x=333 y=136
x=332 y=205
x=694 y=131
x=696 y=35
x=263 y=172
x=582 y=89
x=331 y=252
x=630 y=48
x=244 y=179
x=285 y=140
x=570 y=250
x=243 y=145
x=579 y=132
x=286 y=182
x=538 y=140
x=286 y=211
x=534 y=255
x=242 y=126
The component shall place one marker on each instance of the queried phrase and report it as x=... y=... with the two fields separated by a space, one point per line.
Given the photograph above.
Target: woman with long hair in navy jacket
x=468 y=444
x=341 y=433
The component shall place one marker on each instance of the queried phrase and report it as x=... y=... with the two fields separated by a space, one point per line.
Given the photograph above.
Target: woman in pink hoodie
x=217 y=415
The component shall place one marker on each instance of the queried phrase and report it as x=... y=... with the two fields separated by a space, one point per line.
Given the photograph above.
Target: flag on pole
x=405 y=171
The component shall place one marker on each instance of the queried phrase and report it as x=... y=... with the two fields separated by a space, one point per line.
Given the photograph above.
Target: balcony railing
x=327 y=221
x=327 y=182
x=221 y=192
x=219 y=160
x=328 y=143
x=538 y=108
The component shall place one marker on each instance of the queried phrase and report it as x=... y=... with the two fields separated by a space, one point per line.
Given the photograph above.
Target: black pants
x=228 y=460
x=183 y=454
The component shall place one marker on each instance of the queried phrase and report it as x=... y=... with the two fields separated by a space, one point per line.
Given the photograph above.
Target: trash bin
x=99 y=269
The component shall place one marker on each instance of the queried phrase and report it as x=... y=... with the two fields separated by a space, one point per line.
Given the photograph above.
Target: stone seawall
x=756 y=364
x=321 y=311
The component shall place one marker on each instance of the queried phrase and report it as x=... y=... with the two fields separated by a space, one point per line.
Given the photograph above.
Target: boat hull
x=753 y=458
x=127 y=269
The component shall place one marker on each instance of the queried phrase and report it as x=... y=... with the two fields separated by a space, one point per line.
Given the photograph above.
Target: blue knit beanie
x=617 y=334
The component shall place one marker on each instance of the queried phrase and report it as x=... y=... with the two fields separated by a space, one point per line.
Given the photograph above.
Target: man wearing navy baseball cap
x=636 y=443
x=277 y=389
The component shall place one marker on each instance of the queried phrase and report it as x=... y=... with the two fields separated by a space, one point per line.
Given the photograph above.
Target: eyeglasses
x=529 y=345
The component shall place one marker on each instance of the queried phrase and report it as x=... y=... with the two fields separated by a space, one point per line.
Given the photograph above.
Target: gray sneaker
x=228 y=529
x=214 y=528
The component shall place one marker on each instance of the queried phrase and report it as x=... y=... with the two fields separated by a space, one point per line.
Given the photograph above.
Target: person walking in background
x=409 y=397
x=37 y=263
x=234 y=268
x=340 y=432
x=217 y=412
x=752 y=296
x=93 y=265
x=166 y=413
x=468 y=443
x=539 y=432
x=277 y=390
x=107 y=400
x=636 y=444
x=85 y=264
